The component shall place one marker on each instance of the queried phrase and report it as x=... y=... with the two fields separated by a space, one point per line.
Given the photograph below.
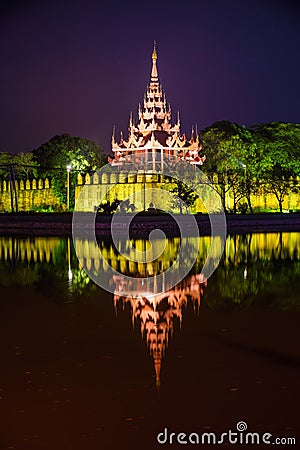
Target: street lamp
x=244 y=166
x=68 y=186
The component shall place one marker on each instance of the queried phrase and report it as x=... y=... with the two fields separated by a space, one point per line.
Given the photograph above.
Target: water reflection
x=251 y=264
x=260 y=269
x=141 y=270
x=51 y=249
x=157 y=314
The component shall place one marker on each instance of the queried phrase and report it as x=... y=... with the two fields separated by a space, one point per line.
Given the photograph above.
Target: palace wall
x=31 y=195
x=119 y=186
x=38 y=194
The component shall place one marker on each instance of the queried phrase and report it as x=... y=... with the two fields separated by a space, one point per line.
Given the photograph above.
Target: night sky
x=79 y=67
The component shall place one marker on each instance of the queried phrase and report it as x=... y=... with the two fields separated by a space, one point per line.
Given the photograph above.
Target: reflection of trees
x=279 y=284
x=228 y=288
x=66 y=279
x=21 y=277
x=55 y=284
x=260 y=268
x=49 y=264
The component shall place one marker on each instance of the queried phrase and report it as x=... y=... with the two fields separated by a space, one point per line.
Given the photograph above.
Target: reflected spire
x=157 y=367
x=158 y=314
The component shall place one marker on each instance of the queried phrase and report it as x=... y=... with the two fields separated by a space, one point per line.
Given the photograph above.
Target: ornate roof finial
x=192 y=135
x=154 y=74
x=154 y=53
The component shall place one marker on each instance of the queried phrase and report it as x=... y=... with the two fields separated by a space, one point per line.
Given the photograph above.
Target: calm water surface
x=85 y=369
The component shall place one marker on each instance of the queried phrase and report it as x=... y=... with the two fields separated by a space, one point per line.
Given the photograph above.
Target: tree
x=54 y=156
x=185 y=195
x=231 y=161
x=279 y=148
x=182 y=183
x=5 y=160
x=107 y=207
x=24 y=165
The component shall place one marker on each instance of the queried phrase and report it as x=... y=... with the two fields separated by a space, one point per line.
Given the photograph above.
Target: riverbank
x=61 y=223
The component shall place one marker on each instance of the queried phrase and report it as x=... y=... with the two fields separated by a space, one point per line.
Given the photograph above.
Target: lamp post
x=227 y=188
x=244 y=166
x=68 y=186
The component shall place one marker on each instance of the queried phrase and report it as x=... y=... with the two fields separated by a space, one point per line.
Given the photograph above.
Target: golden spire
x=154 y=74
x=154 y=54
x=113 y=135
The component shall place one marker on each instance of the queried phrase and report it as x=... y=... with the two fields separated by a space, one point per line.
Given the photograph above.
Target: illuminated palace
x=154 y=137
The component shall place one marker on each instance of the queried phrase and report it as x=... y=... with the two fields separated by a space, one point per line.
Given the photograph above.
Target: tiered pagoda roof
x=154 y=133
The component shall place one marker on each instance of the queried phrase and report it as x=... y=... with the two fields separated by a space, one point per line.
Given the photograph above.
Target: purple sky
x=79 y=67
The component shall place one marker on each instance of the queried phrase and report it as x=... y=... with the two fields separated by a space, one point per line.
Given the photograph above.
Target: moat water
x=82 y=368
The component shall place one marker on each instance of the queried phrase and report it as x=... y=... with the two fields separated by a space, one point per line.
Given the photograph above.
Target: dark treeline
x=263 y=158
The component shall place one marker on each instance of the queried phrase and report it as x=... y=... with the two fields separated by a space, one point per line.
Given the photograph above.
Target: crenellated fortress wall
x=31 y=195
x=37 y=194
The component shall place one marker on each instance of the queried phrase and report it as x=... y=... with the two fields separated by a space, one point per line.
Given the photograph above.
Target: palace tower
x=154 y=137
